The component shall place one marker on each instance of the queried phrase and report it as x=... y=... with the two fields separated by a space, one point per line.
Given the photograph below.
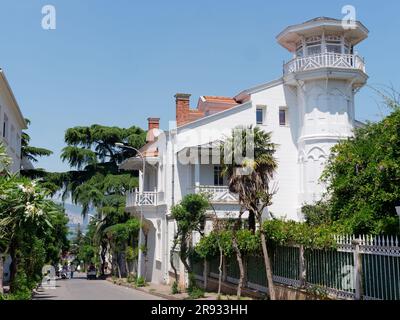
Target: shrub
x=140 y=282
x=196 y=293
x=175 y=288
x=193 y=290
x=131 y=278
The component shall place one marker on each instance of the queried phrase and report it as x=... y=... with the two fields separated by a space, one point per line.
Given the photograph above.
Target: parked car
x=91 y=273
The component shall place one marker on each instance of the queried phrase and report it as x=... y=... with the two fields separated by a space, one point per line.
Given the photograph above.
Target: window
x=218 y=178
x=314 y=45
x=283 y=116
x=313 y=49
x=5 y=127
x=334 y=48
x=299 y=51
x=260 y=115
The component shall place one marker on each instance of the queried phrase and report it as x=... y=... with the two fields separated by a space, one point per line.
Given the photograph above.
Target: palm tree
x=249 y=178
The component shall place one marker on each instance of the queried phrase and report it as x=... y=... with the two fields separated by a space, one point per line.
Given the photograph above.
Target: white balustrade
x=147 y=198
x=217 y=193
x=325 y=60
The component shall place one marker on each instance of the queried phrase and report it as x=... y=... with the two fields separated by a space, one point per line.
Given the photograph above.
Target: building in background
x=12 y=122
x=308 y=110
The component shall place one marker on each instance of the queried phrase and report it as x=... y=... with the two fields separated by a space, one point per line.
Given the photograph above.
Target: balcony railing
x=217 y=193
x=325 y=60
x=146 y=198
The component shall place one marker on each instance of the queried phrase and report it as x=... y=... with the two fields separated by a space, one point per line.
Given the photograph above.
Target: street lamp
x=121 y=145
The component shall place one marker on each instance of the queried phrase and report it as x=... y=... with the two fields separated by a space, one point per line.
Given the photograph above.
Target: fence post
x=358 y=276
x=302 y=266
x=205 y=274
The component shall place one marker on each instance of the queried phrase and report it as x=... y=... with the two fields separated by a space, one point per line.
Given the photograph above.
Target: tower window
x=334 y=48
x=313 y=49
x=283 y=117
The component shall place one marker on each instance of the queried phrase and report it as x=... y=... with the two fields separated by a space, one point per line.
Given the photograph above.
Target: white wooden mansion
x=308 y=110
x=12 y=122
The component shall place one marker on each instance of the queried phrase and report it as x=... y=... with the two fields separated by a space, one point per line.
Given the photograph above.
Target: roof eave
x=22 y=119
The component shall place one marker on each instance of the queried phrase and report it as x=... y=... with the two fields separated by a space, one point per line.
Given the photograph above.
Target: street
x=79 y=288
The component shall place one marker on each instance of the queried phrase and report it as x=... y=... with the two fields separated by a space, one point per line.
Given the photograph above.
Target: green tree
x=363 y=177
x=250 y=179
x=190 y=216
x=97 y=181
x=33 y=229
x=123 y=238
x=29 y=152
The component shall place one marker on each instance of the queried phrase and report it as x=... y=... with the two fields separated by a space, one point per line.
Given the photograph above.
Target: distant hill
x=74 y=214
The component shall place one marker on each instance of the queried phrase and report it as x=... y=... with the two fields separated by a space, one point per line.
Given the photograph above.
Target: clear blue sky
x=119 y=62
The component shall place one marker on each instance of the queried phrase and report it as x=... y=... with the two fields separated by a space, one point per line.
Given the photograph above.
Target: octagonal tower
x=325 y=72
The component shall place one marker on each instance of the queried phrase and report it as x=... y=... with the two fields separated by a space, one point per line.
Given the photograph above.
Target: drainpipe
x=173 y=136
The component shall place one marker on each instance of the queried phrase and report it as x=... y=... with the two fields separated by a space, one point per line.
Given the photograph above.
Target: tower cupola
x=323 y=43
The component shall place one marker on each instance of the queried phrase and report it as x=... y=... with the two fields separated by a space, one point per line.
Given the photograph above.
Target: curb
x=156 y=294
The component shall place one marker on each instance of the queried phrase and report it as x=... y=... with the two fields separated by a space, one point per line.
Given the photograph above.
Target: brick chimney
x=154 y=123
x=182 y=108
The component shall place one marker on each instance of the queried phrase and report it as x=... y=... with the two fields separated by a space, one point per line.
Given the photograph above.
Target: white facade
x=12 y=123
x=307 y=111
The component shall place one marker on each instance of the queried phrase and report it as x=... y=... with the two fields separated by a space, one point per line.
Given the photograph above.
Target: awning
x=136 y=163
x=213 y=145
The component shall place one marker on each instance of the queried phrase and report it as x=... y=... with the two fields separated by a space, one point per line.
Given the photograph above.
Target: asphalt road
x=79 y=288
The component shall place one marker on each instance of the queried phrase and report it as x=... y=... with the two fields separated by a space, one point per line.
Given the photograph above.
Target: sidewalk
x=164 y=291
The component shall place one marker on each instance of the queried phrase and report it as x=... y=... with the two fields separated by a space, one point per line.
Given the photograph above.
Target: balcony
x=325 y=60
x=147 y=198
x=217 y=194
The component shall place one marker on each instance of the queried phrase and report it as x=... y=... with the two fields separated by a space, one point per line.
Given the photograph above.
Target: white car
x=91 y=273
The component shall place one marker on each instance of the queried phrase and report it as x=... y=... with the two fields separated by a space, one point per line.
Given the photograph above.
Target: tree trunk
x=240 y=263
x=103 y=257
x=183 y=255
x=252 y=221
x=268 y=270
x=171 y=261
x=128 y=272
x=171 y=258
x=221 y=260
x=118 y=267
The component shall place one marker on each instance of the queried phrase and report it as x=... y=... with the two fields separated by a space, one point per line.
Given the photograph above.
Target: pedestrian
x=72 y=270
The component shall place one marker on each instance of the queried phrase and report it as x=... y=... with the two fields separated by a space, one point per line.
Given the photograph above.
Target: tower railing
x=325 y=60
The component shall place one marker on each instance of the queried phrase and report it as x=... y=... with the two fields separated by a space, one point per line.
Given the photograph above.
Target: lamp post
x=121 y=145
x=398 y=213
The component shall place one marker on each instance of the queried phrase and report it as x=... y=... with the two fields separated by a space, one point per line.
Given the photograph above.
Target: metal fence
x=365 y=268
